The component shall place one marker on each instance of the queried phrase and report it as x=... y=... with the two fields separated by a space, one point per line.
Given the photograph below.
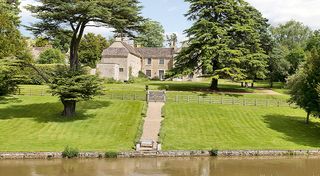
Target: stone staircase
x=148 y=146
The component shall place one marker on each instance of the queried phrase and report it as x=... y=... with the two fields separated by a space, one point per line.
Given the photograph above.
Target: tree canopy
x=292 y=34
x=225 y=40
x=11 y=41
x=304 y=85
x=91 y=47
x=52 y=56
x=152 y=34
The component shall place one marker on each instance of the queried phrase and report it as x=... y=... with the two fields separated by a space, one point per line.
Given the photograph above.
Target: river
x=204 y=166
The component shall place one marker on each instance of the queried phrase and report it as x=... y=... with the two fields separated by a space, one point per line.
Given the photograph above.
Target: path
x=152 y=123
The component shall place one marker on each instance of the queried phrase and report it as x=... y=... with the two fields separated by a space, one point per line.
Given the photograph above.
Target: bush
x=8 y=82
x=70 y=152
x=52 y=56
x=214 y=152
x=112 y=81
x=111 y=155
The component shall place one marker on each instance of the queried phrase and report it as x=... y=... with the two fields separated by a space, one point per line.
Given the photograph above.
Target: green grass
x=223 y=127
x=33 y=123
x=227 y=87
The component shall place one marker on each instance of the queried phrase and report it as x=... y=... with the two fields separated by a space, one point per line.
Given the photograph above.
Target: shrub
x=52 y=56
x=111 y=154
x=8 y=83
x=112 y=81
x=70 y=152
x=214 y=152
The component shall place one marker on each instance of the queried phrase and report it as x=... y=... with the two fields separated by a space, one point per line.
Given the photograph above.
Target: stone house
x=121 y=60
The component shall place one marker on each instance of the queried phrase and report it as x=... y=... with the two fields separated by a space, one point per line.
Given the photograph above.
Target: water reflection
x=163 y=167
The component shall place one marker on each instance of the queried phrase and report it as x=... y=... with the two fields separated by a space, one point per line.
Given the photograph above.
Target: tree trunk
x=252 y=84
x=214 y=84
x=308 y=118
x=271 y=83
x=241 y=84
x=69 y=108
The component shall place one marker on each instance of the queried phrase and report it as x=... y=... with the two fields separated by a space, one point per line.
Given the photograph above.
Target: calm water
x=163 y=166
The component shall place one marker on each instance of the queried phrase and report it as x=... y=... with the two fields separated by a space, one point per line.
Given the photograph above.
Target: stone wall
x=180 y=153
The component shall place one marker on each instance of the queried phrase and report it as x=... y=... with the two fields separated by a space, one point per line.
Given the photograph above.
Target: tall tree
x=56 y=16
x=11 y=41
x=303 y=85
x=278 y=65
x=91 y=47
x=224 y=40
x=292 y=34
x=152 y=34
x=172 y=40
x=12 y=45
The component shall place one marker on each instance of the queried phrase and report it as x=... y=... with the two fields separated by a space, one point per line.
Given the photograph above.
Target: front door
x=161 y=74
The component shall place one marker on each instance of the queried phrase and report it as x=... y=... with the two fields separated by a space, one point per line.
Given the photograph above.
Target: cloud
x=280 y=11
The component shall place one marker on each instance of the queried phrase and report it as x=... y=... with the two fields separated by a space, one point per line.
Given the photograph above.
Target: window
x=148 y=73
x=121 y=70
x=161 y=61
x=149 y=61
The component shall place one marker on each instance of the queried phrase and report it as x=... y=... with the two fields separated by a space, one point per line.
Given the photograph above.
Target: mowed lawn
x=224 y=127
x=33 y=123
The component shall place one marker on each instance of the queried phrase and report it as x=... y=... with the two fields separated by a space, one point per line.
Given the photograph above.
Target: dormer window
x=149 y=61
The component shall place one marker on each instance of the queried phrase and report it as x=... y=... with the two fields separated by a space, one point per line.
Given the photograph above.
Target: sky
x=170 y=13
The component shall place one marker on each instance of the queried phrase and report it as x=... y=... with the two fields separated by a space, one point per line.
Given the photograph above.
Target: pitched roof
x=156 y=52
x=122 y=52
x=139 y=52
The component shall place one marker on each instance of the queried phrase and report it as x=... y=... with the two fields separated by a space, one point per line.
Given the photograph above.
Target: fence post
x=19 y=91
x=30 y=92
x=255 y=102
x=198 y=99
x=244 y=102
x=211 y=100
x=221 y=101
x=41 y=92
x=177 y=98
x=188 y=98
x=232 y=100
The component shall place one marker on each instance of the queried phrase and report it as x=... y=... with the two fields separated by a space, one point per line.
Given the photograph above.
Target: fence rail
x=228 y=101
x=224 y=100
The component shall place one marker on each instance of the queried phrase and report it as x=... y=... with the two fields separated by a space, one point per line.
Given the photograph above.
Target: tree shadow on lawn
x=295 y=129
x=9 y=99
x=51 y=112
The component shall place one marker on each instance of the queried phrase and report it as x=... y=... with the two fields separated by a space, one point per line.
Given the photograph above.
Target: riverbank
x=177 y=153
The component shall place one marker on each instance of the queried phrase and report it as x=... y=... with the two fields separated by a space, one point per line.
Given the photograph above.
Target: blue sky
x=170 y=13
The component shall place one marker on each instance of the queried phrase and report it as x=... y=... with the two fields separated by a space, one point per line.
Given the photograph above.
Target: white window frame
x=161 y=59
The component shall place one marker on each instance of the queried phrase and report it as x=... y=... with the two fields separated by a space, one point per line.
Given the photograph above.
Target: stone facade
x=154 y=62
